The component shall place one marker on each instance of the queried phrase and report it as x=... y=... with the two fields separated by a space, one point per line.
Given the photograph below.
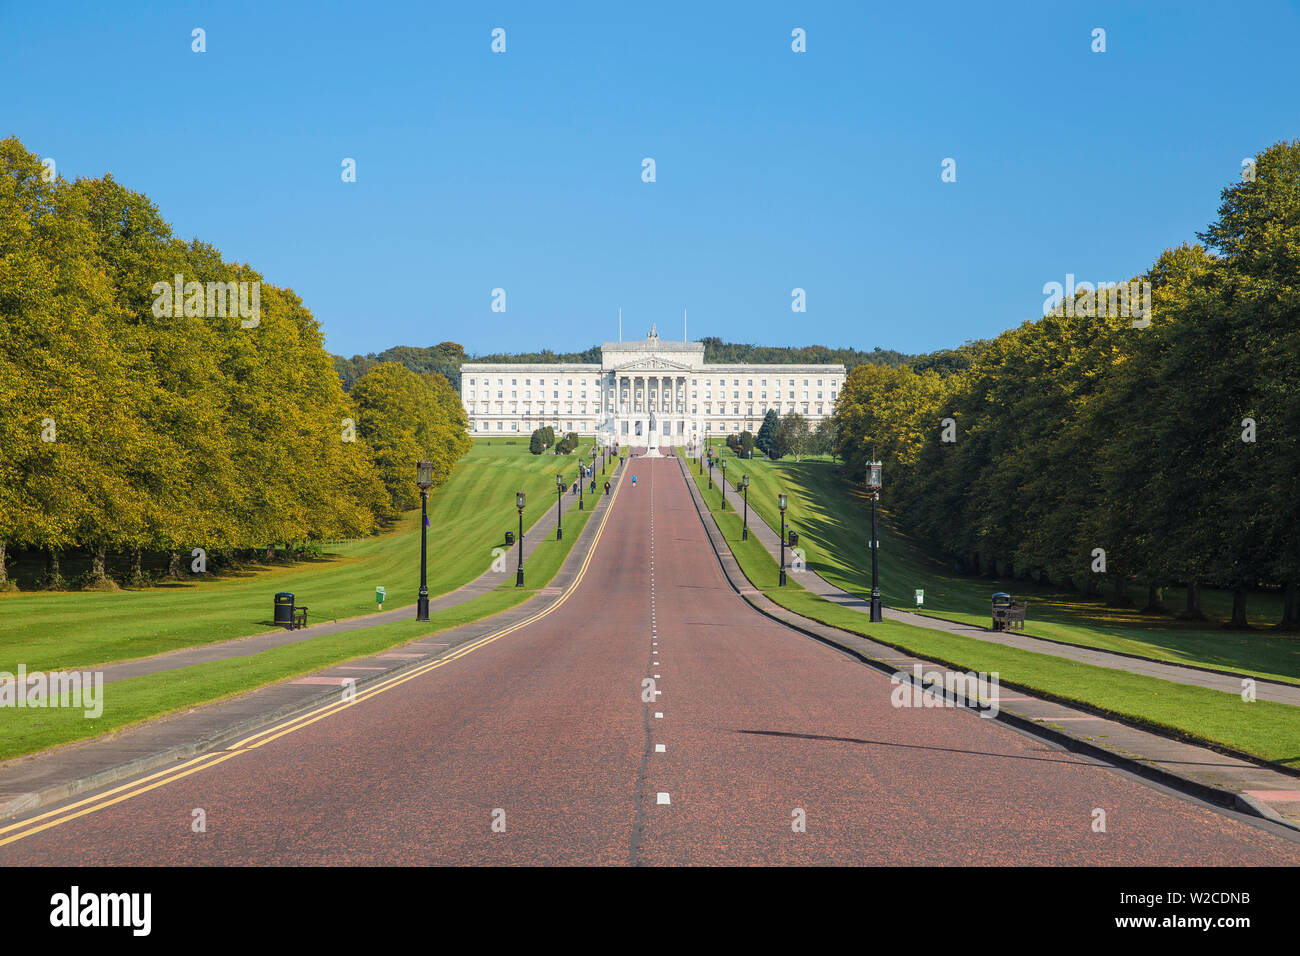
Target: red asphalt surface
x=548 y=725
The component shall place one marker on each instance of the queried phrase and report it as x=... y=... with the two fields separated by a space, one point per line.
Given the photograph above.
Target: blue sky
x=775 y=170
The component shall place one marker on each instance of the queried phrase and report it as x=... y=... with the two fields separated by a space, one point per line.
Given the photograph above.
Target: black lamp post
x=744 y=527
x=873 y=486
x=582 y=480
x=710 y=471
x=423 y=478
x=723 y=483
x=559 y=507
x=519 y=503
x=781 y=502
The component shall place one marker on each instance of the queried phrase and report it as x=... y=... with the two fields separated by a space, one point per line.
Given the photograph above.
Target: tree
x=824 y=437
x=535 y=443
x=406 y=418
x=792 y=436
x=746 y=444
x=766 y=433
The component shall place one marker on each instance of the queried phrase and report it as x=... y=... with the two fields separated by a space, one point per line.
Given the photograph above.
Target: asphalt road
x=544 y=732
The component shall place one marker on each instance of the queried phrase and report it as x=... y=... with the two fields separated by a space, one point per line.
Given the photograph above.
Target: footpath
x=39 y=780
x=1233 y=782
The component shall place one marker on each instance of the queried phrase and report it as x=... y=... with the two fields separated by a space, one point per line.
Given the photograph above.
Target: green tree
x=766 y=433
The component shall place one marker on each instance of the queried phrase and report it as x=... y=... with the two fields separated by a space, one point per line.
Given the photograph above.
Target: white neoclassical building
x=652 y=392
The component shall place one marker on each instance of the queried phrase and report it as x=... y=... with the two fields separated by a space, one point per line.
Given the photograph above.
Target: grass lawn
x=468 y=517
x=834 y=522
x=1263 y=729
x=138 y=699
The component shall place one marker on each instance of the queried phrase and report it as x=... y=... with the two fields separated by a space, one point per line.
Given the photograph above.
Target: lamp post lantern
x=722 y=465
x=873 y=486
x=424 y=479
x=744 y=526
x=559 y=507
x=520 y=501
x=781 y=503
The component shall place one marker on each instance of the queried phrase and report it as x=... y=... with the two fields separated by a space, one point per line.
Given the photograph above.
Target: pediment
x=652 y=364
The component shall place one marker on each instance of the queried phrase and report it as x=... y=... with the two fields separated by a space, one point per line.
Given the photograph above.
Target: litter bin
x=794 y=538
x=510 y=538
x=284 y=609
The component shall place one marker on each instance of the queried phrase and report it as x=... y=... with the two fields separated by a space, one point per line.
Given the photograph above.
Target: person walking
x=607 y=489
x=634 y=481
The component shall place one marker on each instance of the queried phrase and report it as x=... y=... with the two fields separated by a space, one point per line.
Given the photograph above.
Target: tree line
x=446 y=358
x=137 y=423
x=1087 y=448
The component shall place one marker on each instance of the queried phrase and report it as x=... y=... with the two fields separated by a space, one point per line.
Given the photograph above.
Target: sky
x=775 y=170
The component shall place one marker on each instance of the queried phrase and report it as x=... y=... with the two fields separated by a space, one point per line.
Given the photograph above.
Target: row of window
x=733 y=428
x=708 y=394
x=722 y=382
x=751 y=410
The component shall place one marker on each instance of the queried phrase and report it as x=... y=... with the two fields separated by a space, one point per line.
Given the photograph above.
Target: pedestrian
x=607 y=488
x=634 y=481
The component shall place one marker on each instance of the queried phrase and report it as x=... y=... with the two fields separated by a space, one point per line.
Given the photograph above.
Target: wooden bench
x=299 y=616
x=1010 y=617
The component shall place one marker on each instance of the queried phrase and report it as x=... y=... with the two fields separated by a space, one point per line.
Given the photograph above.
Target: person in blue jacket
x=634 y=481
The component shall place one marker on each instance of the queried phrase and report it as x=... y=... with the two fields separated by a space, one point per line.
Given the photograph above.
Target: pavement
x=653 y=717
x=1227 y=681
x=1262 y=789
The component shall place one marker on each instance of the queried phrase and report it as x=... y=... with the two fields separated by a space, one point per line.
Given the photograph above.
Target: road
x=544 y=733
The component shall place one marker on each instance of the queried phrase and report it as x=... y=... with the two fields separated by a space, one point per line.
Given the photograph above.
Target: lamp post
x=781 y=502
x=723 y=466
x=423 y=478
x=710 y=472
x=873 y=486
x=520 y=500
x=744 y=527
x=559 y=507
x=582 y=480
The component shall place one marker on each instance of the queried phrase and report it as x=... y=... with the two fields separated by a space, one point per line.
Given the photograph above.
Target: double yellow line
x=54 y=818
